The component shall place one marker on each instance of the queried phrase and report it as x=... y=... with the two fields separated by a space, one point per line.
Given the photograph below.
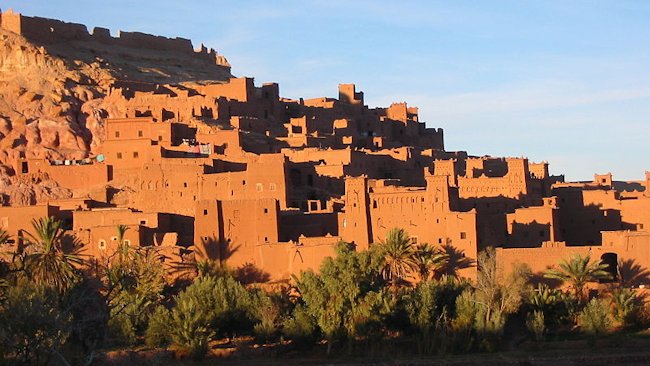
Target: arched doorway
x=611 y=260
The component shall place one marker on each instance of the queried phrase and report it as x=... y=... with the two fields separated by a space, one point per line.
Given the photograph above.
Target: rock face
x=54 y=81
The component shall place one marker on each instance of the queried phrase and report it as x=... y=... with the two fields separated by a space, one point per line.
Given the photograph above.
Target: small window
x=205 y=212
x=159 y=138
x=272 y=187
x=463 y=235
x=266 y=210
x=259 y=187
x=127 y=242
x=119 y=155
x=243 y=182
x=102 y=244
x=439 y=240
x=113 y=238
x=143 y=222
x=117 y=134
x=185 y=184
x=140 y=134
x=414 y=240
x=135 y=154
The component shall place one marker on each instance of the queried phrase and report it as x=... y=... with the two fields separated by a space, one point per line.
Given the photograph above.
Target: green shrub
x=625 y=306
x=208 y=305
x=595 y=318
x=535 y=323
x=158 y=329
x=557 y=307
x=33 y=327
x=299 y=327
x=267 y=313
x=190 y=326
x=121 y=330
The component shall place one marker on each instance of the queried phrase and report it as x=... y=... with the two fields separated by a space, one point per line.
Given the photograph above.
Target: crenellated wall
x=50 y=31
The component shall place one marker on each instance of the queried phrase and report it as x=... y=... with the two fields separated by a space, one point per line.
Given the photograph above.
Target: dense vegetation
x=57 y=307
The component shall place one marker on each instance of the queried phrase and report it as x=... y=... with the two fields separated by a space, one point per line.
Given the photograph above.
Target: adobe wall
x=129 y=154
x=239 y=89
x=101 y=241
x=84 y=220
x=630 y=248
x=124 y=129
x=71 y=176
x=11 y=21
x=225 y=142
x=349 y=95
x=15 y=220
x=237 y=226
x=265 y=176
x=47 y=31
x=169 y=186
x=374 y=208
x=480 y=182
x=531 y=226
x=282 y=260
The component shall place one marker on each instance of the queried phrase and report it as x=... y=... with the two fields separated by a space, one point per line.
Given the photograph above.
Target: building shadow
x=632 y=274
x=456 y=261
x=249 y=274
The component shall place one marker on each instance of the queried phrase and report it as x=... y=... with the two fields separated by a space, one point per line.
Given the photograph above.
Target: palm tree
x=429 y=260
x=46 y=261
x=399 y=256
x=122 y=247
x=578 y=271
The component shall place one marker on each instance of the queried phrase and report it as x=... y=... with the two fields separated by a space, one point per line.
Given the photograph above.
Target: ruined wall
x=44 y=30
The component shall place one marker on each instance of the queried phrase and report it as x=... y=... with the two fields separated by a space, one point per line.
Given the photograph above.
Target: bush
x=625 y=307
x=299 y=327
x=137 y=280
x=208 y=305
x=190 y=326
x=122 y=330
x=535 y=323
x=267 y=312
x=33 y=327
x=594 y=318
x=556 y=307
x=158 y=329
x=347 y=298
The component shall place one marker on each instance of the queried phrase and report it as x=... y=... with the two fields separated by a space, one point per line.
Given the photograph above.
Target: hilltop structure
x=201 y=158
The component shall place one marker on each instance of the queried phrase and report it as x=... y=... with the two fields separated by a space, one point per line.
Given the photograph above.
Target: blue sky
x=563 y=81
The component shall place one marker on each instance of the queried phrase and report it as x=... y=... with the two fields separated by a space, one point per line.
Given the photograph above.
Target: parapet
x=51 y=31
